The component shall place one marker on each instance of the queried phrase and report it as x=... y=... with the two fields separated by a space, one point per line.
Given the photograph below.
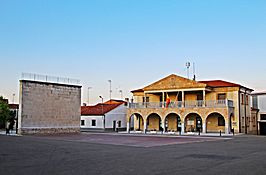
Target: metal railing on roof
x=50 y=79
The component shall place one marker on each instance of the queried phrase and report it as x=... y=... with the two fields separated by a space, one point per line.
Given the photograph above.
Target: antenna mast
x=188 y=65
x=110 y=81
x=194 y=72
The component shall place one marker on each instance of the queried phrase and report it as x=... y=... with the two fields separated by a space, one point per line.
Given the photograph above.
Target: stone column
x=204 y=126
x=145 y=125
x=163 y=125
x=163 y=100
x=144 y=101
x=128 y=127
x=226 y=128
x=182 y=127
x=183 y=99
x=204 y=98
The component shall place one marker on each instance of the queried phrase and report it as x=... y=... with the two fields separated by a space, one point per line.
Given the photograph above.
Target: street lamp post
x=110 y=81
x=121 y=93
x=103 y=113
x=89 y=95
x=14 y=98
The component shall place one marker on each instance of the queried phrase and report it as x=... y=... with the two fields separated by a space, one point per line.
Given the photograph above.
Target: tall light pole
x=89 y=95
x=14 y=98
x=110 y=81
x=121 y=93
x=103 y=113
x=188 y=65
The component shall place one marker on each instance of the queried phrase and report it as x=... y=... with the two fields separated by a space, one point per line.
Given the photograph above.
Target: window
x=255 y=102
x=221 y=121
x=145 y=102
x=147 y=99
x=119 y=124
x=247 y=100
x=263 y=116
x=222 y=96
x=93 y=122
x=82 y=122
x=242 y=99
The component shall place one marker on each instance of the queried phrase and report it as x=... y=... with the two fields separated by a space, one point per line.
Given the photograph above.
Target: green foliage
x=4 y=112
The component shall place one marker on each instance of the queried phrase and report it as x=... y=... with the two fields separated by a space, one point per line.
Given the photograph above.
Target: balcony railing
x=186 y=104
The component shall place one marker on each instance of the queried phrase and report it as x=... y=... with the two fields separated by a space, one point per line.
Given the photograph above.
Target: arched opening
x=172 y=123
x=136 y=122
x=215 y=123
x=193 y=123
x=154 y=122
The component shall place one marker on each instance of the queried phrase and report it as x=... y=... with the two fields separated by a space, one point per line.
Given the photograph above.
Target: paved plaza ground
x=105 y=153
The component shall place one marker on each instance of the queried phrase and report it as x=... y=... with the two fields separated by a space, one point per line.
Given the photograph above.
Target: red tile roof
x=138 y=90
x=219 y=83
x=99 y=109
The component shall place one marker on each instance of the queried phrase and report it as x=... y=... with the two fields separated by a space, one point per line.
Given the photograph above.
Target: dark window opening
x=221 y=96
x=263 y=116
x=82 y=123
x=93 y=122
x=221 y=121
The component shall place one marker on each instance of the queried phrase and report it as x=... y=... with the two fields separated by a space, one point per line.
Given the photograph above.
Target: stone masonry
x=49 y=108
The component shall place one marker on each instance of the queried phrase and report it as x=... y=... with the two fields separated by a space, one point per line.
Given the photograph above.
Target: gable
x=174 y=82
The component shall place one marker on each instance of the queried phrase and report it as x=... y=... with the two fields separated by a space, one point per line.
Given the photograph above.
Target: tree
x=4 y=112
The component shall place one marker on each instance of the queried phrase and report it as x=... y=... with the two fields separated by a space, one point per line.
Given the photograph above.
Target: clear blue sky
x=132 y=42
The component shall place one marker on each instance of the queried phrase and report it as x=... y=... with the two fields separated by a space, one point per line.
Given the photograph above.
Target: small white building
x=110 y=116
x=259 y=102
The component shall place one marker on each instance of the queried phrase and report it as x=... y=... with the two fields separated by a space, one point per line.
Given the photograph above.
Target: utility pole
x=14 y=98
x=103 y=113
x=188 y=65
x=121 y=93
x=89 y=95
x=194 y=72
x=110 y=81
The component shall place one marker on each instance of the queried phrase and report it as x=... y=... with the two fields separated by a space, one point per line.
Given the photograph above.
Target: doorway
x=114 y=125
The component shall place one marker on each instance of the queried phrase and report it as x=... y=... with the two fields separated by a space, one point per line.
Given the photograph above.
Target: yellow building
x=177 y=104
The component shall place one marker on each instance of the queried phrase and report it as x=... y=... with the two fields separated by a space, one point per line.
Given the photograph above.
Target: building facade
x=110 y=116
x=259 y=107
x=177 y=104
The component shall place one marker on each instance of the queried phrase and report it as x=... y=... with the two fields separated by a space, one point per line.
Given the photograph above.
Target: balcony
x=186 y=104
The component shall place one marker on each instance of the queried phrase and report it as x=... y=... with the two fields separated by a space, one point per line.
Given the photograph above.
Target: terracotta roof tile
x=137 y=90
x=219 y=83
x=99 y=109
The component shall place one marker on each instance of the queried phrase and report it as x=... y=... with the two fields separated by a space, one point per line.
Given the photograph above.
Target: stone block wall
x=48 y=108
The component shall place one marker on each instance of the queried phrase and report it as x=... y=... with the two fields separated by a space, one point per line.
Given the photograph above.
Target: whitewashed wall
x=88 y=121
x=118 y=114
x=262 y=103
